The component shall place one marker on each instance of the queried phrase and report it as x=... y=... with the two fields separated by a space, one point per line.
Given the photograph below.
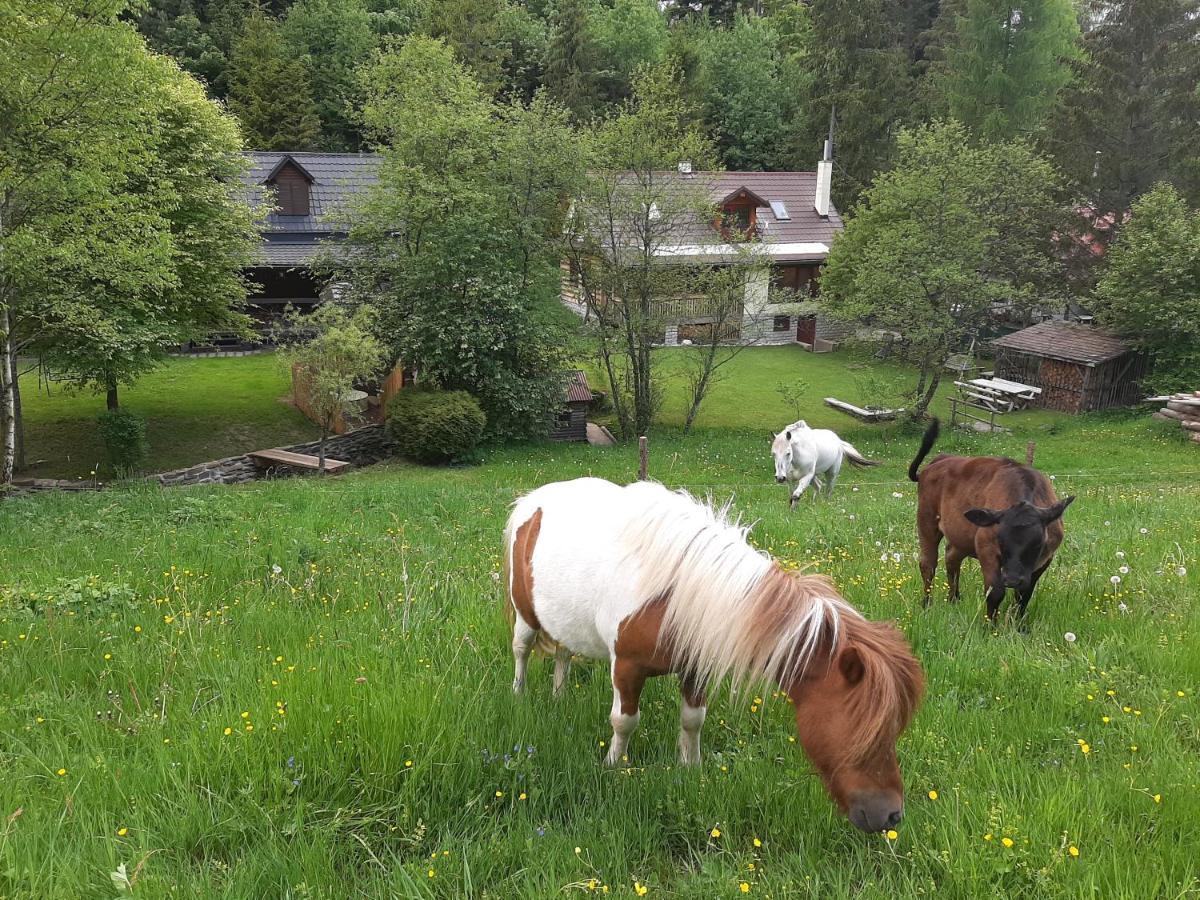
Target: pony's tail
x=931 y=435
x=856 y=458
x=543 y=645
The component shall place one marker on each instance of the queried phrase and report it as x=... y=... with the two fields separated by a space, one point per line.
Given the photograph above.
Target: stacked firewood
x=1182 y=408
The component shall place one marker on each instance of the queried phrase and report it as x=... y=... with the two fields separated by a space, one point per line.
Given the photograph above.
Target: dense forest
x=1107 y=90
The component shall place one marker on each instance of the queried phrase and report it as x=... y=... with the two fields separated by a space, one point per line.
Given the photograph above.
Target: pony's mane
x=731 y=610
x=883 y=703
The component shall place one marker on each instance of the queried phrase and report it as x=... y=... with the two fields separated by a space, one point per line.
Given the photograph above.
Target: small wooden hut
x=1078 y=367
x=572 y=421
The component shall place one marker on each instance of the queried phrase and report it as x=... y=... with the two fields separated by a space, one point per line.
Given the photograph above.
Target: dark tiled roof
x=577 y=388
x=1066 y=341
x=338 y=180
x=801 y=236
x=795 y=189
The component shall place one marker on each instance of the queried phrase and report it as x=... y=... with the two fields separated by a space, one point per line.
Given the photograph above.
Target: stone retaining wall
x=361 y=447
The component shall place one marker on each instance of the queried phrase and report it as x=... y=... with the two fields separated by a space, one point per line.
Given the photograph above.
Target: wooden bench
x=269 y=459
x=867 y=415
x=978 y=395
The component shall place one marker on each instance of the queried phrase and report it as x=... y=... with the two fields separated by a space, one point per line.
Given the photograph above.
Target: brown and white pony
x=655 y=582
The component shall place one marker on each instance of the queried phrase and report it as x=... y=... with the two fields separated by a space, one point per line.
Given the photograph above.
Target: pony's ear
x=982 y=517
x=1050 y=513
x=788 y=435
x=850 y=664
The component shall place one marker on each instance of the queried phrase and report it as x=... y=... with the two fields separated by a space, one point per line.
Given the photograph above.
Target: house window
x=783 y=323
x=293 y=197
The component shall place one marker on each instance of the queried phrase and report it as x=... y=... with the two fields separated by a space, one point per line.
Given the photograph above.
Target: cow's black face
x=1021 y=534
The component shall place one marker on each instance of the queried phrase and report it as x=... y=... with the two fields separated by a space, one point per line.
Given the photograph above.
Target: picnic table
x=1019 y=394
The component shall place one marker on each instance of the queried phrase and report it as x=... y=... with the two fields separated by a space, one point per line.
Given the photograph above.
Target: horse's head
x=850 y=713
x=781 y=449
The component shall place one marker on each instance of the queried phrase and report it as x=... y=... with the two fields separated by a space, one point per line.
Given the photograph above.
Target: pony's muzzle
x=876 y=813
x=780 y=479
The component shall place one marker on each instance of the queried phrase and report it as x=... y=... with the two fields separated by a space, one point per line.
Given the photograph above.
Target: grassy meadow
x=301 y=689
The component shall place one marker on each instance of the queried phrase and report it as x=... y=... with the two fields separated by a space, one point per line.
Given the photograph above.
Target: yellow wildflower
x=1073 y=850
x=744 y=887
x=1007 y=842
x=933 y=795
x=892 y=834
x=716 y=833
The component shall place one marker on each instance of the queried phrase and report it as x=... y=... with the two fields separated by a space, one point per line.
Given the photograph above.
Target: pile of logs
x=1181 y=408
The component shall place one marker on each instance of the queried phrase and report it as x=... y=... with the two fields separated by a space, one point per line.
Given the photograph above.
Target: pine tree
x=1133 y=117
x=1003 y=66
x=332 y=38
x=269 y=91
x=571 y=60
x=860 y=67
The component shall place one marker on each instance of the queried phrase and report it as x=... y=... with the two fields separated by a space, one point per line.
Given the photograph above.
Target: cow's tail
x=931 y=435
x=856 y=458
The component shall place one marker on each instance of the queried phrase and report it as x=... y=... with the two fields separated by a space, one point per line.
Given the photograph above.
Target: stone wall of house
x=361 y=447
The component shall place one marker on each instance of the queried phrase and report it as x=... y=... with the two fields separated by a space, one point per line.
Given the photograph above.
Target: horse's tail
x=856 y=458
x=931 y=435
x=543 y=645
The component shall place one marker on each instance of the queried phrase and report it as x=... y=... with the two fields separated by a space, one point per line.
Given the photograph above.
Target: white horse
x=654 y=582
x=803 y=455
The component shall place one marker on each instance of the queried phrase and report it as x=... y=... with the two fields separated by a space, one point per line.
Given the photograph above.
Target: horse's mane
x=731 y=610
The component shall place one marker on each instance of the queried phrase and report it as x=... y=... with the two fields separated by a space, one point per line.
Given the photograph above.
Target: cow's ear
x=1050 y=513
x=982 y=517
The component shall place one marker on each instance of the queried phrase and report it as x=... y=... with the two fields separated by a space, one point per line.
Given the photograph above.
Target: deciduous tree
x=269 y=91
x=1150 y=287
x=955 y=228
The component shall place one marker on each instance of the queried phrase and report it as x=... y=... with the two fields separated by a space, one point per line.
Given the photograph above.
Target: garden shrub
x=124 y=437
x=435 y=426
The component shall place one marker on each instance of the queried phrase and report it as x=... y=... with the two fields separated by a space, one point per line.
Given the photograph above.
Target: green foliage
x=124 y=437
x=332 y=38
x=953 y=229
x=273 y=117
x=199 y=34
x=743 y=81
x=121 y=229
x=435 y=426
x=457 y=249
x=1150 y=287
x=1005 y=67
x=341 y=353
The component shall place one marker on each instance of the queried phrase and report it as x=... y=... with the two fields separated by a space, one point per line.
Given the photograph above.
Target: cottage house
x=791 y=221
x=306 y=193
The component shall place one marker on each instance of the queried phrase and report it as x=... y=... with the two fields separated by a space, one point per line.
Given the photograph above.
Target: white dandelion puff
x=1069 y=637
x=1116 y=579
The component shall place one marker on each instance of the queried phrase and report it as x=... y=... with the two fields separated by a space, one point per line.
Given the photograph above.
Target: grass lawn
x=236 y=692
x=195 y=409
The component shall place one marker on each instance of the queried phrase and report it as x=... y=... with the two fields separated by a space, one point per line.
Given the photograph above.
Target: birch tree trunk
x=8 y=409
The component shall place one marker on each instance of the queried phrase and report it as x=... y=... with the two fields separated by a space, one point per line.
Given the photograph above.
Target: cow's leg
x=954 y=561
x=562 y=668
x=801 y=485
x=1024 y=596
x=522 y=643
x=691 y=720
x=995 y=596
x=628 y=677
x=930 y=539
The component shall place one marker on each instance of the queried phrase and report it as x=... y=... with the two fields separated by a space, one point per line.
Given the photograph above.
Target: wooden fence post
x=643 y=459
x=1029 y=448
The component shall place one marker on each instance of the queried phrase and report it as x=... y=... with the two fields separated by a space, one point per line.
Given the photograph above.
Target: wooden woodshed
x=572 y=421
x=1078 y=367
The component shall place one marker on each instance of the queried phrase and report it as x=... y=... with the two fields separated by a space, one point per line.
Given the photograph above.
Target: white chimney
x=824 y=182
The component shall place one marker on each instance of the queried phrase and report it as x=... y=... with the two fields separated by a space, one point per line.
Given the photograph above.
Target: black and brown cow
x=995 y=509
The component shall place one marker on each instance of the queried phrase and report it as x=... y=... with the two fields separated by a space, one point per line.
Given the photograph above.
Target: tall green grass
x=301 y=689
